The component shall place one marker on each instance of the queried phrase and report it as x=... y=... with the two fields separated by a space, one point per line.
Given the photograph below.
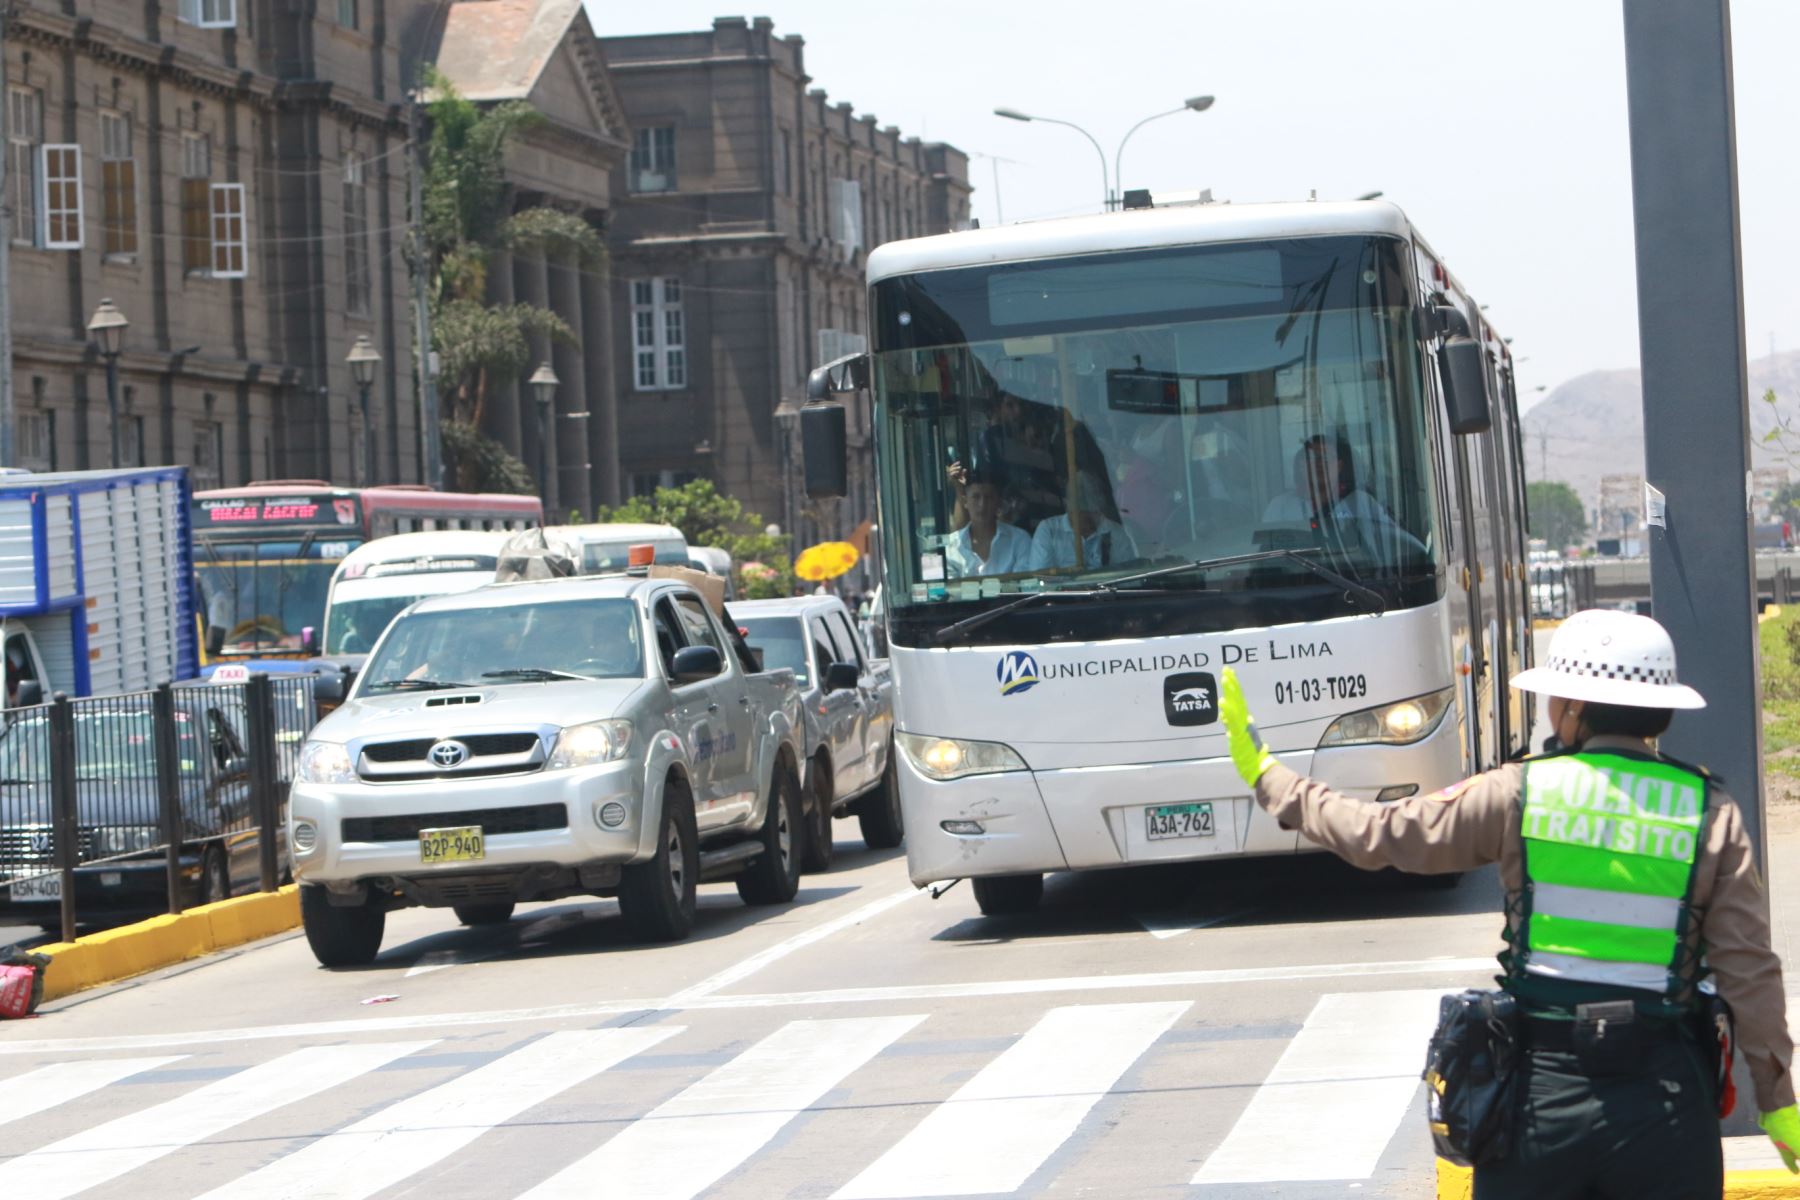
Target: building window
x=653 y=159
x=659 y=334
x=847 y=216
x=35 y=441
x=645 y=483
x=196 y=202
x=131 y=441
x=228 y=235
x=118 y=184
x=356 y=236
x=24 y=130
x=209 y=452
x=837 y=343
x=210 y=14
x=347 y=14
x=787 y=163
x=61 y=212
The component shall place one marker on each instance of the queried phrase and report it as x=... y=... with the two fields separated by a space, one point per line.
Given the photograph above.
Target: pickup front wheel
x=657 y=897
x=340 y=936
x=773 y=877
x=878 y=813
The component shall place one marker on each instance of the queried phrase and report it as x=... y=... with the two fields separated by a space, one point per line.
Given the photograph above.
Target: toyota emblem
x=447 y=754
x=40 y=841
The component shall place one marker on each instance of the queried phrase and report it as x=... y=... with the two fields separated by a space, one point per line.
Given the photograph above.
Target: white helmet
x=1611 y=657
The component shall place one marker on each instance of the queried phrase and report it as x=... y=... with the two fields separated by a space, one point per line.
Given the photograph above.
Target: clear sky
x=1499 y=126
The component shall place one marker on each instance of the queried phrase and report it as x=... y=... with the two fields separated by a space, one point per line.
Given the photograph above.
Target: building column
x=500 y=417
x=568 y=438
x=603 y=405
x=531 y=285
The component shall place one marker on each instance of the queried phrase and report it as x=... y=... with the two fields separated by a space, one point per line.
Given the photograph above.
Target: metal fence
x=120 y=807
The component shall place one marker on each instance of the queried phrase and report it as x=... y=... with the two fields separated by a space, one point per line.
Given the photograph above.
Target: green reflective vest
x=1610 y=846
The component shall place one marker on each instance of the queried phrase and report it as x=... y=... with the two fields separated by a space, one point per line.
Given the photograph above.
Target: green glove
x=1248 y=754
x=1783 y=1128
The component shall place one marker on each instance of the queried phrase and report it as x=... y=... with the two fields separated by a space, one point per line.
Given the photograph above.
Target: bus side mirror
x=309 y=640
x=1462 y=364
x=215 y=639
x=824 y=448
x=837 y=377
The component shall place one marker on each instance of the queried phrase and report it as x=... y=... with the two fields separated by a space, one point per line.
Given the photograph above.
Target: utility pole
x=8 y=416
x=1543 y=455
x=432 y=452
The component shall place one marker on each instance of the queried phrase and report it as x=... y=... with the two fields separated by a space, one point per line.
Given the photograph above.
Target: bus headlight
x=952 y=758
x=590 y=744
x=324 y=762
x=1396 y=724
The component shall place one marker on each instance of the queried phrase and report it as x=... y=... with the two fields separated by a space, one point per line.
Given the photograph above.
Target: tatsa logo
x=1017 y=672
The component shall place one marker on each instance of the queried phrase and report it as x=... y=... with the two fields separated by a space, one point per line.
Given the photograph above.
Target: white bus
x=1277 y=437
x=379 y=578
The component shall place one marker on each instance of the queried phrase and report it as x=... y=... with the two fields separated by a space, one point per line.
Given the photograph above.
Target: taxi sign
x=231 y=673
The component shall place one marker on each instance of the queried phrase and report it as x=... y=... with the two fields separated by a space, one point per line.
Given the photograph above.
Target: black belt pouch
x=1472 y=1073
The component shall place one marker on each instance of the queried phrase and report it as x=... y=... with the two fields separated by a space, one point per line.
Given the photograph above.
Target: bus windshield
x=1061 y=424
x=263 y=594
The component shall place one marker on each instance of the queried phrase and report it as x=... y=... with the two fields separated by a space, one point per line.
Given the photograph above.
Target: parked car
x=848 y=701
x=118 y=810
x=544 y=739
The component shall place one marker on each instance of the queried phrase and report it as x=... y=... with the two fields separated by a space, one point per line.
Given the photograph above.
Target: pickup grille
x=405 y=828
x=409 y=760
x=479 y=744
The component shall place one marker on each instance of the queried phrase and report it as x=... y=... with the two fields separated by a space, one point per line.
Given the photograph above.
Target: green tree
x=1557 y=515
x=708 y=518
x=465 y=222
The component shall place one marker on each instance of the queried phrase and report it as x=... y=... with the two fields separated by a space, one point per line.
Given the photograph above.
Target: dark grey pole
x=1696 y=402
x=368 y=438
x=543 y=408
x=112 y=403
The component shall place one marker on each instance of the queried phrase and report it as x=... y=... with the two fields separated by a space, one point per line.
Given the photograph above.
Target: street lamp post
x=107 y=326
x=1107 y=182
x=543 y=387
x=363 y=359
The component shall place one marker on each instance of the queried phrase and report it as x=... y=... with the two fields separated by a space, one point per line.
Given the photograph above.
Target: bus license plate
x=451 y=845
x=37 y=888
x=1178 y=821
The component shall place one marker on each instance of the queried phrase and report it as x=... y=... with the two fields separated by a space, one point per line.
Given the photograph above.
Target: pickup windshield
x=510 y=644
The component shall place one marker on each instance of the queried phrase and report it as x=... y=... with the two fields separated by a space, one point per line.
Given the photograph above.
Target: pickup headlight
x=1397 y=724
x=591 y=744
x=124 y=839
x=952 y=758
x=324 y=762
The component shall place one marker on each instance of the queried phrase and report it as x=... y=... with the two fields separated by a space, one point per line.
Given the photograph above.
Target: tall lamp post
x=543 y=387
x=107 y=327
x=364 y=359
x=1109 y=200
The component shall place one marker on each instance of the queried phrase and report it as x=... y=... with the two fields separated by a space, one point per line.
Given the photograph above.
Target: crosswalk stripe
x=405 y=1138
x=686 y=1144
x=108 y=1151
x=1001 y=1125
x=1335 y=1097
x=31 y=1093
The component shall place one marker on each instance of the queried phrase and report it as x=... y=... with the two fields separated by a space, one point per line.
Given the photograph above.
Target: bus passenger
x=986 y=545
x=1103 y=540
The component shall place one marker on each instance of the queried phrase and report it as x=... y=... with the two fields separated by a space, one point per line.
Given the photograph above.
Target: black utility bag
x=1471 y=1076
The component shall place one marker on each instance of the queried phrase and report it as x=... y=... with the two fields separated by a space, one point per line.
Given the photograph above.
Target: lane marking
x=693 y=1140
x=1167 y=924
x=435 y=960
x=740 y=971
x=1351 y=1073
x=1001 y=1125
x=94 y=1156
x=868 y=995
x=35 y=1091
x=406 y=1138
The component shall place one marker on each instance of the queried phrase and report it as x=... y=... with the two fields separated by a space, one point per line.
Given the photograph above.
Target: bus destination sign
x=277 y=510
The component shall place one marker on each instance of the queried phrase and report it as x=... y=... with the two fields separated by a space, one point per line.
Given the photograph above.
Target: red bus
x=264 y=553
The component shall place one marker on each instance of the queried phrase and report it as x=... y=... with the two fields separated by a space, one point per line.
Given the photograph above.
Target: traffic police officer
x=1628 y=876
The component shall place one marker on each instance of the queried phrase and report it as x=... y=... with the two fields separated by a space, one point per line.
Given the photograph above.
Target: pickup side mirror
x=31 y=694
x=695 y=663
x=824 y=449
x=842 y=677
x=329 y=688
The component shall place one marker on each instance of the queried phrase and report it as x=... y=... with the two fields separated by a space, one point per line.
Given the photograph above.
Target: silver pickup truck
x=536 y=740
x=848 y=701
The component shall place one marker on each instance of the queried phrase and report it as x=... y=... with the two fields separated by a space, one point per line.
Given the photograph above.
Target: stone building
x=545 y=52
x=231 y=173
x=742 y=222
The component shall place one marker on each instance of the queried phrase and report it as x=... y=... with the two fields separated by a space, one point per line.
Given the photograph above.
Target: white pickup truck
x=537 y=740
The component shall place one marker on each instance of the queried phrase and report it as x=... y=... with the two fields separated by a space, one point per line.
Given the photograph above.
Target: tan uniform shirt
x=1477 y=822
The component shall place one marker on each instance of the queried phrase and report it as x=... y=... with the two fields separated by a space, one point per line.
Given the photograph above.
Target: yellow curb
x=1769 y=614
x=115 y=954
x=1458 y=1183
x=1545 y=622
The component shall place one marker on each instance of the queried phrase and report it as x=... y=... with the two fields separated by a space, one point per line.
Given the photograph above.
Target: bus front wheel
x=1001 y=895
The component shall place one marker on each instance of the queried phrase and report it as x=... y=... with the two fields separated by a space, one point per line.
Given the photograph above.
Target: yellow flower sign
x=827 y=560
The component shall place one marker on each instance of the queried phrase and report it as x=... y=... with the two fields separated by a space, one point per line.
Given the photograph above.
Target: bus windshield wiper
x=1029 y=598
x=414 y=685
x=1362 y=591
x=535 y=674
